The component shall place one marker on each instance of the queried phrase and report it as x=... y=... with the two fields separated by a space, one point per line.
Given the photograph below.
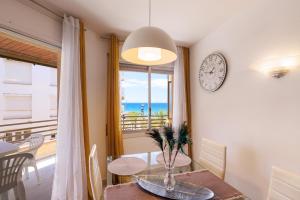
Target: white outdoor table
x=7 y=148
x=126 y=166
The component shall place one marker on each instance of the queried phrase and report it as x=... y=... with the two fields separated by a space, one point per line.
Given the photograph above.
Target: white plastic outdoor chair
x=35 y=142
x=11 y=175
x=95 y=174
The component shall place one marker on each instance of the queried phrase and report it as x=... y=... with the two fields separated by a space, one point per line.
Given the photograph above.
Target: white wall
x=96 y=64
x=256 y=116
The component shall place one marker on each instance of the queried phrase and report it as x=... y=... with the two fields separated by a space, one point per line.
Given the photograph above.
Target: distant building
x=28 y=92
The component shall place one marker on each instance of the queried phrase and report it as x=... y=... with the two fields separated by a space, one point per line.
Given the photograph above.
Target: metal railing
x=142 y=122
x=17 y=132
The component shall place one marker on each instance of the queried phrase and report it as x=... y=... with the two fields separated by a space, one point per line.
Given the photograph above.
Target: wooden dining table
x=193 y=173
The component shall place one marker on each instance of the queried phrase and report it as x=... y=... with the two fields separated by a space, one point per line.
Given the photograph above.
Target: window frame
x=151 y=70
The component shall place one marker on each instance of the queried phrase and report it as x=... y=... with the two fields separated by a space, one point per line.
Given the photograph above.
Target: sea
x=143 y=107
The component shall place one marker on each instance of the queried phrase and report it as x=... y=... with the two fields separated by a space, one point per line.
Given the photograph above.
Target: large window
x=145 y=94
x=28 y=90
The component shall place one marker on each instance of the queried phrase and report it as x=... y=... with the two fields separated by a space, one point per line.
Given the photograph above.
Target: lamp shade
x=149 y=46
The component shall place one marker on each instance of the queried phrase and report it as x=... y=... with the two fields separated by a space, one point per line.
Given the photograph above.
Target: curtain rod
x=108 y=38
x=46 y=8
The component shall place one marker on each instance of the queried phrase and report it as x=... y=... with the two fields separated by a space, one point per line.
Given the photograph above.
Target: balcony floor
x=48 y=149
x=42 y=191
x=45 y=164
x=35 y=191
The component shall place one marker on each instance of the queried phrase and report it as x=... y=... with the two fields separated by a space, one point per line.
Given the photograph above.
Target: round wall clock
x=212 y=72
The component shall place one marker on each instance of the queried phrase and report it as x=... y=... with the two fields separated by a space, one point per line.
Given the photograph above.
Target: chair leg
x=37 y=173
x=19 y=191
x=26 y=172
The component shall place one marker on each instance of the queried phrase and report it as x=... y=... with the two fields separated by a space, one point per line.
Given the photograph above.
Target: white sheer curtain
x=179 y=104
x=70 y=180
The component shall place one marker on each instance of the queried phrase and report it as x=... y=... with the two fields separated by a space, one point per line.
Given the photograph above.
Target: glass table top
x=157 y=170
x=154 y=167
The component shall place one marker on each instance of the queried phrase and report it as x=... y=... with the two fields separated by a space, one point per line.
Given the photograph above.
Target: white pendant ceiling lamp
x=149 y=46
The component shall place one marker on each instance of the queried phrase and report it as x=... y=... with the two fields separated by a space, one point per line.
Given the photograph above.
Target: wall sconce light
x=278 y=68
x=279 y=71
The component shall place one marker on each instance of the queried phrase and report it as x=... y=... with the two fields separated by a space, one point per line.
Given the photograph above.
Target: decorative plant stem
x=170 y=157
x=163 y=153
x=166 y=141
x=175 y=157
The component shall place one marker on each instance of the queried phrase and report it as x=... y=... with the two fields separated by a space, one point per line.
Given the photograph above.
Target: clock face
x=212 y=72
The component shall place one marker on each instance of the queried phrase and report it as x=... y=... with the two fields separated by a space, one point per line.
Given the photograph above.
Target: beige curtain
x=114 y=134
x=84 y=106
x=186 y=58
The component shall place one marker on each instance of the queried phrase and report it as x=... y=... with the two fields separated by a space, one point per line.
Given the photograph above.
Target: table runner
x=131 y=191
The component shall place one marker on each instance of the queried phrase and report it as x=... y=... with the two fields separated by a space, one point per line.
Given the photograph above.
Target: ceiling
x=187 y=21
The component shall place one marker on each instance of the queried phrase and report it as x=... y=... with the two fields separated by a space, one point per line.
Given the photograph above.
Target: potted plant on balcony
x=170 y=144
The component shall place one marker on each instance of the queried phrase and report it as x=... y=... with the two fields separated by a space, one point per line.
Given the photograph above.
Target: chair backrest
x=95 y=174
x=35 y=142
x=284 y=185
x=11 y=169
x=213 y=157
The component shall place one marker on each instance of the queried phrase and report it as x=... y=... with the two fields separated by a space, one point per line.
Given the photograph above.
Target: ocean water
x=140 y=107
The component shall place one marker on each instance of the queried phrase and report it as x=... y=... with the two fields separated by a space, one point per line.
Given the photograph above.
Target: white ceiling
x=187 y=21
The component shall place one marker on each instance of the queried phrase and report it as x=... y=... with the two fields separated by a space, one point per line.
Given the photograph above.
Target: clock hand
x=206 y=71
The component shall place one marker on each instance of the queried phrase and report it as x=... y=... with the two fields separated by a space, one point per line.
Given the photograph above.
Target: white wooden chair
x=95 y=174
x=213 y=157
x=284 y=185
x=11 y=175
x=35 y=142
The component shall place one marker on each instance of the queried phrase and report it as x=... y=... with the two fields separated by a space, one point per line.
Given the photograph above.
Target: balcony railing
x=142 y=122
x=17 y=132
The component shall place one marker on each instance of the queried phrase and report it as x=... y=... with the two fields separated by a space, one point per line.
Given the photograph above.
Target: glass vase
x=169 y=180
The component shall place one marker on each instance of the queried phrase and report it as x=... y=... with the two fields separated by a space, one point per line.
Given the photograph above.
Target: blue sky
x=134 y=87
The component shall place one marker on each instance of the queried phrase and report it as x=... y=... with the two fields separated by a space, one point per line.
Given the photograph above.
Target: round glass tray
x=182 y=190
